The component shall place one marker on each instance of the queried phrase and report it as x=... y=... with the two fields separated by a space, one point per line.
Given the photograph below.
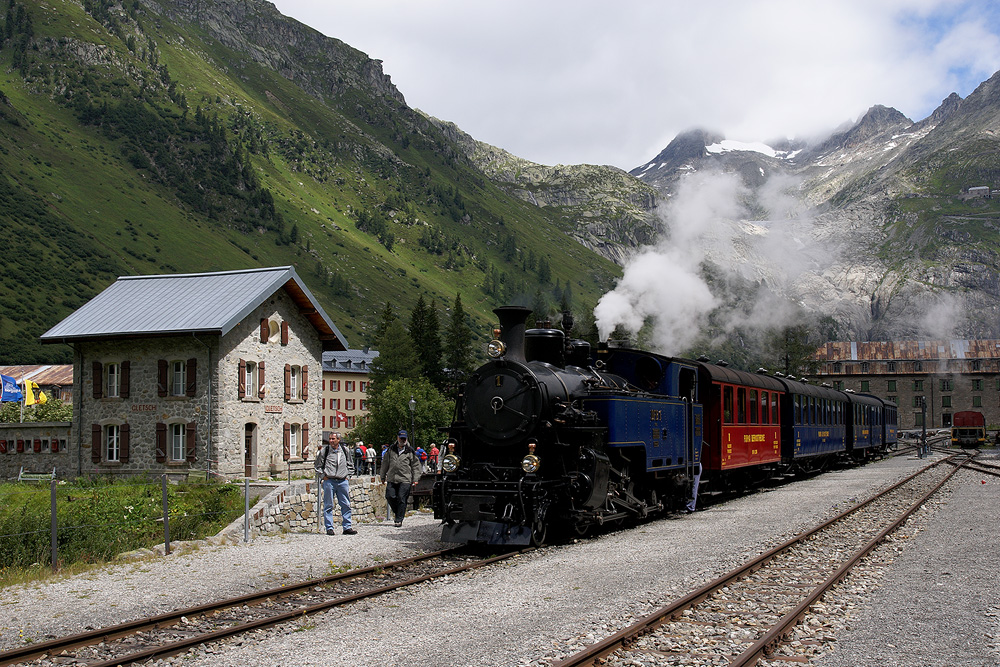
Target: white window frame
x=178 y=378
x=113 y=380
x=178 y=442
x=293 y=440
x=251 y=379
x=295 y=383
x=113 y=443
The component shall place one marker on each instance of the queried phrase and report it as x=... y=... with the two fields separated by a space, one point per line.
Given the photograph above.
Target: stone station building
x=209 y=372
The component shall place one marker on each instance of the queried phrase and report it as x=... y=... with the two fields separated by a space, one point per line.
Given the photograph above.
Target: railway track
x=742 y=617
x=175 y=632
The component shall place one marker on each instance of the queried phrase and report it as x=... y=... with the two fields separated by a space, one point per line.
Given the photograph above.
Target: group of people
x=400 y=469
x=365 y=458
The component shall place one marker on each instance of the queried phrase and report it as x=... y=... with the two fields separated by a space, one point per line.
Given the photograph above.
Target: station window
x=977 y=401
x=918 y=385
x=946 y=401
x=865 y=386
x=945 y=385
x=891 y=385
x=977 y=385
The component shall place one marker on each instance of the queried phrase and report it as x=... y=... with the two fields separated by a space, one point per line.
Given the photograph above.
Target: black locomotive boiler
x=550 y=434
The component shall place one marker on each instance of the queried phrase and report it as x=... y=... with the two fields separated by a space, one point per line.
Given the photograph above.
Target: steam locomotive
x=550 y=434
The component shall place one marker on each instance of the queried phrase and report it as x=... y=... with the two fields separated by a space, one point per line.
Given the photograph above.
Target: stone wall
x=293 y=508
x=44 y=461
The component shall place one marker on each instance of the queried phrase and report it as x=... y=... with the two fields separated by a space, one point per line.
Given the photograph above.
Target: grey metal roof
x=210 y=303
x=349 y=361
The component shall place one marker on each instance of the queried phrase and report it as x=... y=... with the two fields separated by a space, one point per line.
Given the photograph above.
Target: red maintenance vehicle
x=968 y=429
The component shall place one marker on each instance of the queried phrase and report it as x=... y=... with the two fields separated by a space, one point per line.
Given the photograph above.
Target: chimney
x=512 y=319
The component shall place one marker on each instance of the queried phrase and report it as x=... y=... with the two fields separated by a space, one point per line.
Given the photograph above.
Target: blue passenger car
x=865 y=425
x=818 y=422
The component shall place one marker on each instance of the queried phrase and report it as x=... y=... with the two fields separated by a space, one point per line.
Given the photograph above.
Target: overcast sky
x=591 y=81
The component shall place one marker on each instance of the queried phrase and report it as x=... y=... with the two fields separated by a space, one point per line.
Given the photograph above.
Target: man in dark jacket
x=334 y=466
x=400 y=471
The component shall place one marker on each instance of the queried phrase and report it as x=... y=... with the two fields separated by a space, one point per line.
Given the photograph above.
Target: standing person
x=422 y=455
x=362 y=466
x=432 y=460
x=400 y=471
x=333 y=464
x=370 y=455
x=358 y=456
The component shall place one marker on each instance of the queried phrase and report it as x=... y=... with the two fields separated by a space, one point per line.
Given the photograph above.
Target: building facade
x=345 y=388
x=928 y=380
x=197 y=372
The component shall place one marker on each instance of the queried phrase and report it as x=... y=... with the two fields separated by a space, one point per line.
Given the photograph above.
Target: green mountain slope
x=178 y=136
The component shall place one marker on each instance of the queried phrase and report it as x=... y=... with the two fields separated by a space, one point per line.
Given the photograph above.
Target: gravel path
x=545 y=606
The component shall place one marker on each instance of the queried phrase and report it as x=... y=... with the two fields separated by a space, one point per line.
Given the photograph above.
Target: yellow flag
x=29 y=392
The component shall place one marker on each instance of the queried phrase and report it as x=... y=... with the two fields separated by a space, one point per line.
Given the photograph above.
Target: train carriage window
x=753 y=406
x=727 y=405
x=764 y=414
x=812 y=410
x=741 y=405
x=774 y=409
x=797 y=405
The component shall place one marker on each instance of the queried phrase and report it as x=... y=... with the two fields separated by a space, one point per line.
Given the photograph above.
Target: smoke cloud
x=707 y=223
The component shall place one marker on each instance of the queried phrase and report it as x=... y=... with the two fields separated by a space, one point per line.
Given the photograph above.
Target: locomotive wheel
x=581 y=529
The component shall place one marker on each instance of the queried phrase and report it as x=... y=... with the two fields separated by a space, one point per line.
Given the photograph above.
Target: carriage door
x=688 y=390
x=250 y=451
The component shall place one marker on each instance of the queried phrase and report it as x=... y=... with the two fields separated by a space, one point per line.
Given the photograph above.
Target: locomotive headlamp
x=450 y=463
x=496 y=349
x=530 y=463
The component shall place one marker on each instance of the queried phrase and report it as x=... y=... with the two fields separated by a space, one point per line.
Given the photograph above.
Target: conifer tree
x=458 y=345
x=396 y=358
x=425 y=330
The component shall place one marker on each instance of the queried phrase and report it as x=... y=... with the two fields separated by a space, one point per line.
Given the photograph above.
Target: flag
x=10 y=391
x=341 y=417
x=29 y=393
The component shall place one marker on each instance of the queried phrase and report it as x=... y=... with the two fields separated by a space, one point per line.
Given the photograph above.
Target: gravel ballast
x=553 y=602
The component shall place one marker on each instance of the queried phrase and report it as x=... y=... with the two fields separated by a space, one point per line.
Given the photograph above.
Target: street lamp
x=413 y=412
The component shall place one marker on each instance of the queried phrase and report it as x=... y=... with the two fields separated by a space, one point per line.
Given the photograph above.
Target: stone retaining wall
x=293 y=508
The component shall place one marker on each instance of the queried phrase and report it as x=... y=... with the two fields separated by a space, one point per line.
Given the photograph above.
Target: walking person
x=370 y=455
x=432 y=459
x=400 y=471
x=334 y=465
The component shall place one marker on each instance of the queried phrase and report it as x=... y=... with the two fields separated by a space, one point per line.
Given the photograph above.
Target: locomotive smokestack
x=512 y=320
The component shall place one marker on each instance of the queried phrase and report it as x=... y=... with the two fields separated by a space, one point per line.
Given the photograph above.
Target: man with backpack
x=333 y=464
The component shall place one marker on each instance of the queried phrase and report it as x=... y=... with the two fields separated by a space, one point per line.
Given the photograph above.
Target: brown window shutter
x=37 y=445
x=189 y=434
x=286 y=435
x=242 y=382
x=98 y=379
x=96 y=442
x=305 y=440
x=161 y=378
x=20 y=446
x=124 y=442
x=55 y=445
x=264 y=330
x=260 y=380
x=284 y=333
x=161 y=442
x=305 y=383
x=192 y=376
x=125 y=379
x=3 y=446
x=288 y=381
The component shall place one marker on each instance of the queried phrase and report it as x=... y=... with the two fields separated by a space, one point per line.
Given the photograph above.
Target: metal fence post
x=55 y=526
x=246 y=509
x=166 y=519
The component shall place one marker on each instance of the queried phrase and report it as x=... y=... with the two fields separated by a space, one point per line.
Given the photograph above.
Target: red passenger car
x=742 y=419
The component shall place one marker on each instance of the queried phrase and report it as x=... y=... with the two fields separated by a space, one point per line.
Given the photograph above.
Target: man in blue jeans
x=334 y=465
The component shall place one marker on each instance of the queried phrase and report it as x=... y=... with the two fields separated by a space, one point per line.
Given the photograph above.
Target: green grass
x=98 y=520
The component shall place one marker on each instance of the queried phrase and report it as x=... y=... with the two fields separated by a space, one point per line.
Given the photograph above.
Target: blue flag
x=10 y=390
